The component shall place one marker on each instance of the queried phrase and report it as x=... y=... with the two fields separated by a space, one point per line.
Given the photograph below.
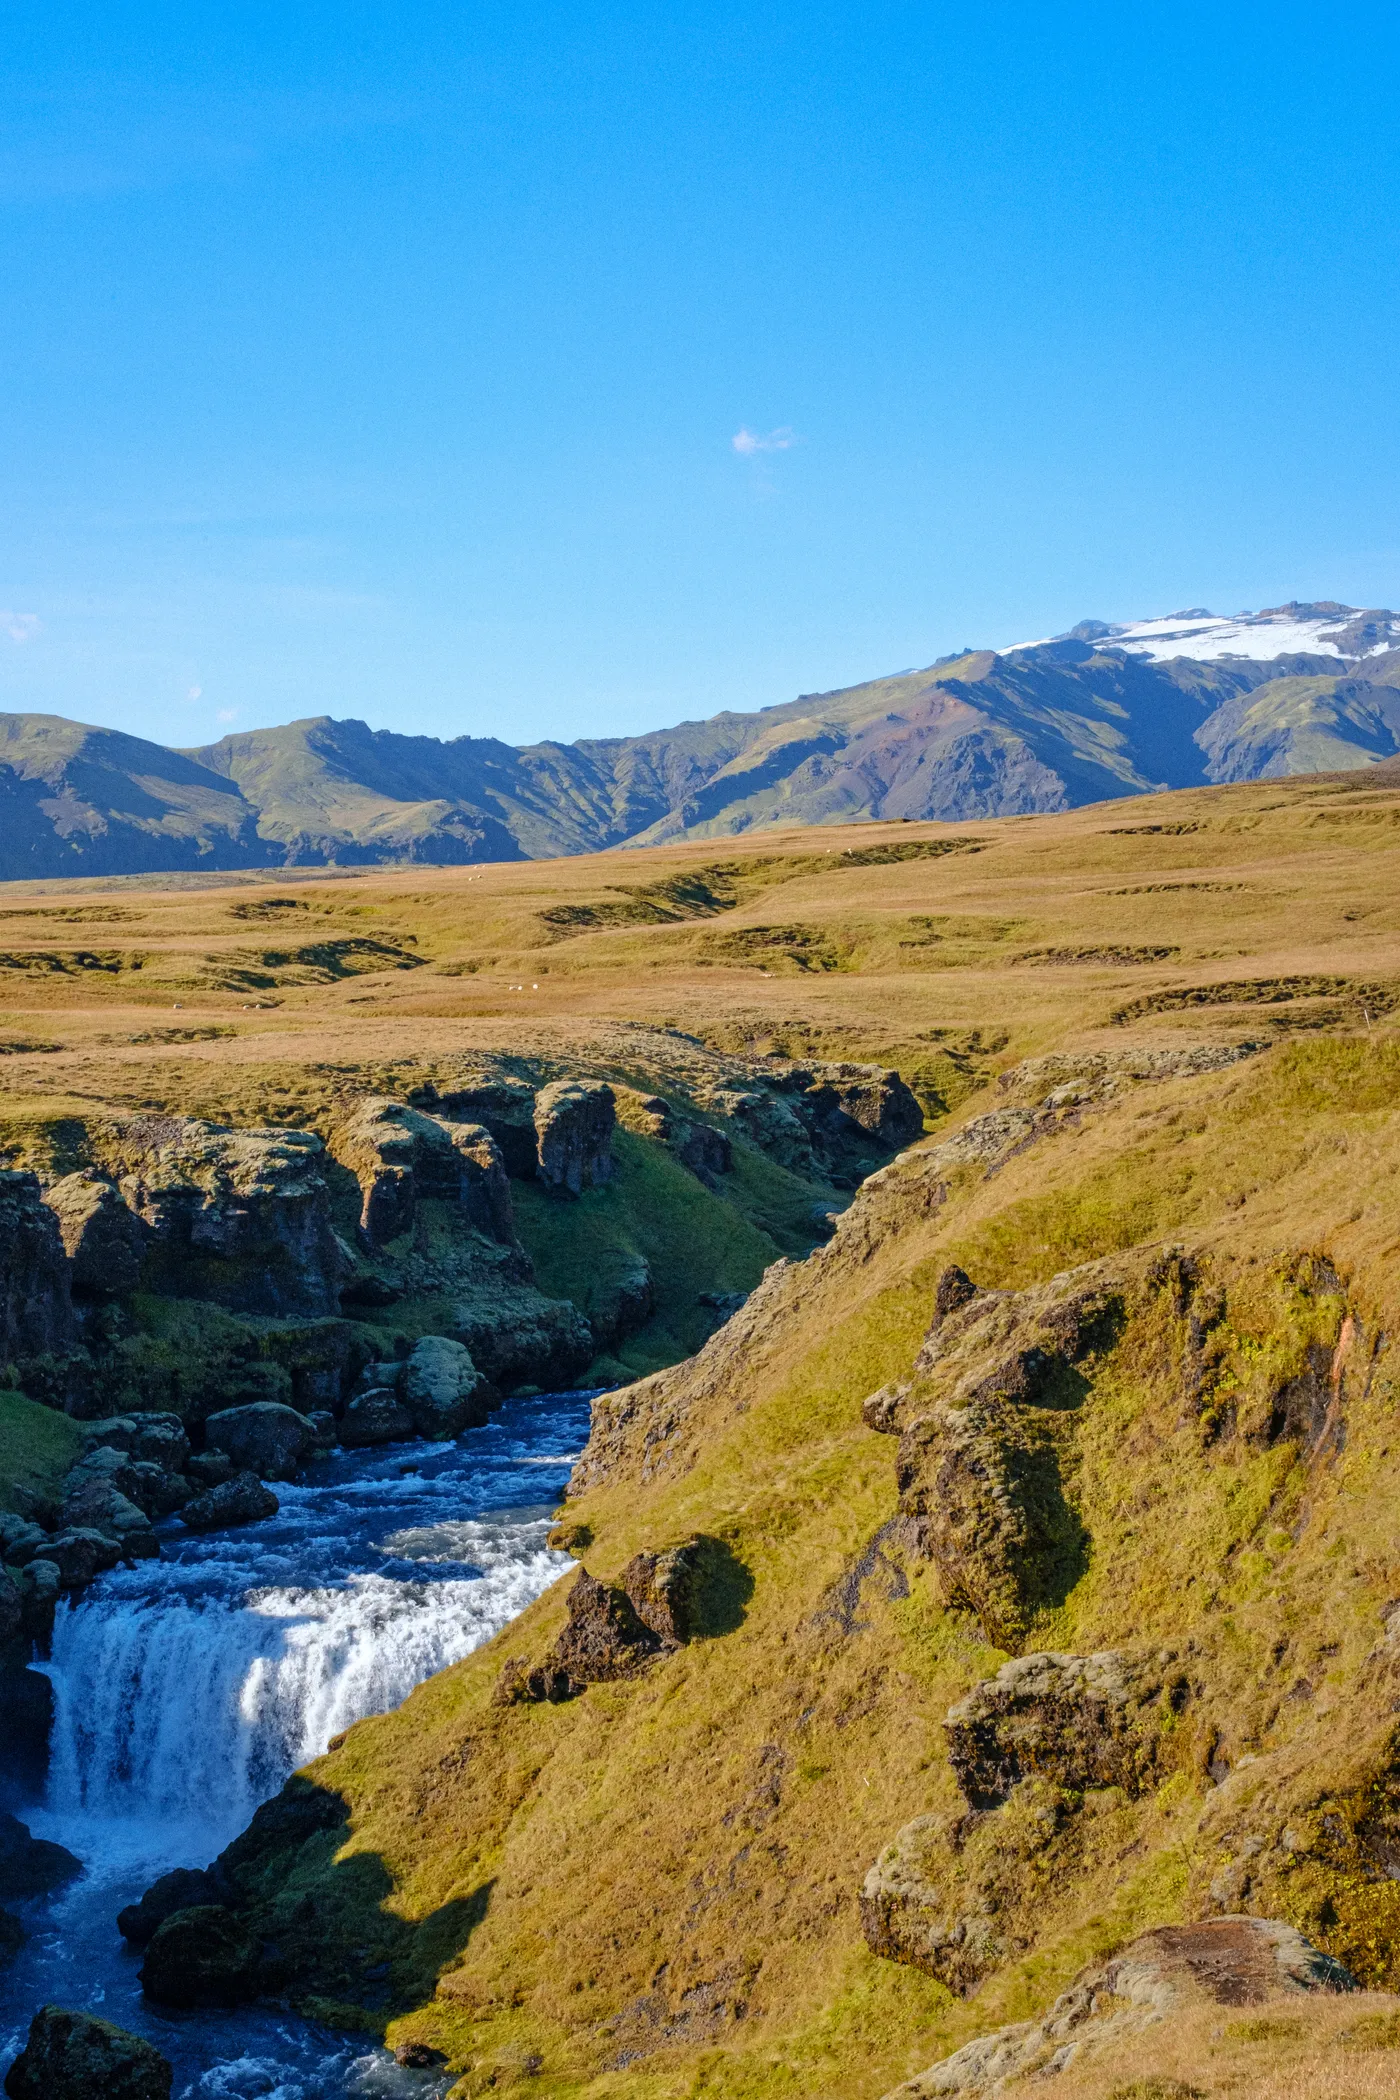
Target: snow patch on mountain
x=1325 y=629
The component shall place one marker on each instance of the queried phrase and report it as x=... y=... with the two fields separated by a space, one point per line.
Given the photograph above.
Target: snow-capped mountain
x=1321 y=629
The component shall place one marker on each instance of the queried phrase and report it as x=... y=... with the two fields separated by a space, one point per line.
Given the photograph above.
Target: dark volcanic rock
x=156 y=1439
x=524 y=1338
x=186 y=1888
x=12 y=1937
x=612 y=1631
x=240 y=1217
x=36 y=1306
x=97 y=1505
x=706 y=1151
x=26 y=1701
x=242 y=1500
x=400 y=1155
x=31 y=1866
x=202 y=1956
x=844 y=1100
x=606 y=1637
x=265 y=1438
x=80 y=1553
x=661 y=1587
x=379 y=1417
x=104 y=1240
x=574 y=1122
x=1079 y=1720
x=75 y=2056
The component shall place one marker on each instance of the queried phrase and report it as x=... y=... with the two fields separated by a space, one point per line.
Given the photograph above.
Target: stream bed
x=187 y=1689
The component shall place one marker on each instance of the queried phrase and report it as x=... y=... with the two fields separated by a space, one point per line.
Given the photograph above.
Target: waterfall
x=186 y=1690
x=182 y=1711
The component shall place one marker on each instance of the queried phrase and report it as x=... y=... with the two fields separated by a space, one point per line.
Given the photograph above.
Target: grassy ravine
x=652 y=1889
x=601 y=1886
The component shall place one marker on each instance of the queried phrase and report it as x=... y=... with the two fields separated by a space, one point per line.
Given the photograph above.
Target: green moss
x=37 y=1446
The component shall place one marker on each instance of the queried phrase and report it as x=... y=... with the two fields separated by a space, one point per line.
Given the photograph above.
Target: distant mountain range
x=1101 y=711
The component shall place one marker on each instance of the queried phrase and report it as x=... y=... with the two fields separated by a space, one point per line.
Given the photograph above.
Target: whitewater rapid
x=187 y=1689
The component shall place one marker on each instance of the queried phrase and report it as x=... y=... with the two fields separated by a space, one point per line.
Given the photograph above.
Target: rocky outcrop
x=240 y=1217
x=155 y=1439
x=103 y=1239
x=185 y=1888
x=36 y=1305
x=202 y=1956
x=399 y=1156
x=443 y=1391
x=850 y=1101
x=574 y=1121
x=983 y=1420
x=156 y=1490
x=503 y=1104
x=518 y=1337
x=265 y=1438
x=242 y=1500
x=76 y=2056
x=96 y=1504
x=769 y=1122
x=1224 y=1961
x=957 y=1896
x=31 y=1866
x=1108 y=1719
x=613 y=1630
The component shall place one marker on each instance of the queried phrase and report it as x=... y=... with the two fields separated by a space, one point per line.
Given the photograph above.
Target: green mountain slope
x=1042 y=728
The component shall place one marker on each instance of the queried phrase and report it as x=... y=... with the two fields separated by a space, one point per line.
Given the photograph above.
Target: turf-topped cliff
x=1097 y=713
x=1101 y=1375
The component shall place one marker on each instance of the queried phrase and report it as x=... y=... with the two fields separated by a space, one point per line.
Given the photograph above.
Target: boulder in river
x=379 y=1417
x=242 y=1500
x=97 y=1505
x=81 y=1553
x=265 y=1438
x=442 y=1388
x=202 y=1956
x=31 y=1866
x=76 y=2056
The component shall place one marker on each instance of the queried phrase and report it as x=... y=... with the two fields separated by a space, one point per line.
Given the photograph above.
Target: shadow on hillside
x=327 y=1935
x=720 y=1590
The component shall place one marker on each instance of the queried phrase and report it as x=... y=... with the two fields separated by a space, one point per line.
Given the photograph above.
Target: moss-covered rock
x=202 y=1956
x=76 y=2056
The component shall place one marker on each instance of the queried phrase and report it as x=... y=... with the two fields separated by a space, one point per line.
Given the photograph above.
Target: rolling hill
x=1044 y=726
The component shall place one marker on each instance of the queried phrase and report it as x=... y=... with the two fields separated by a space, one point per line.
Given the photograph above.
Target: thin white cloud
x=228 y=714
x=20 y=627
x=196 y=692
x=746 y=442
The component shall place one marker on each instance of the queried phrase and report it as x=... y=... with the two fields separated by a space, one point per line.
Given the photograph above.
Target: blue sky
x=389 y=361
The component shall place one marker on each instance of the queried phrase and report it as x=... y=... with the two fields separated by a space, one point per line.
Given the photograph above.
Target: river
x=187 y=1689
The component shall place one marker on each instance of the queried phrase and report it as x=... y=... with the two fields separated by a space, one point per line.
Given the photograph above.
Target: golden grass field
x=1121 y=924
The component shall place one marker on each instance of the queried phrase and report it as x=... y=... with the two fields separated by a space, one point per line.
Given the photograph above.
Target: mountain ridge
x=1096 y=713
